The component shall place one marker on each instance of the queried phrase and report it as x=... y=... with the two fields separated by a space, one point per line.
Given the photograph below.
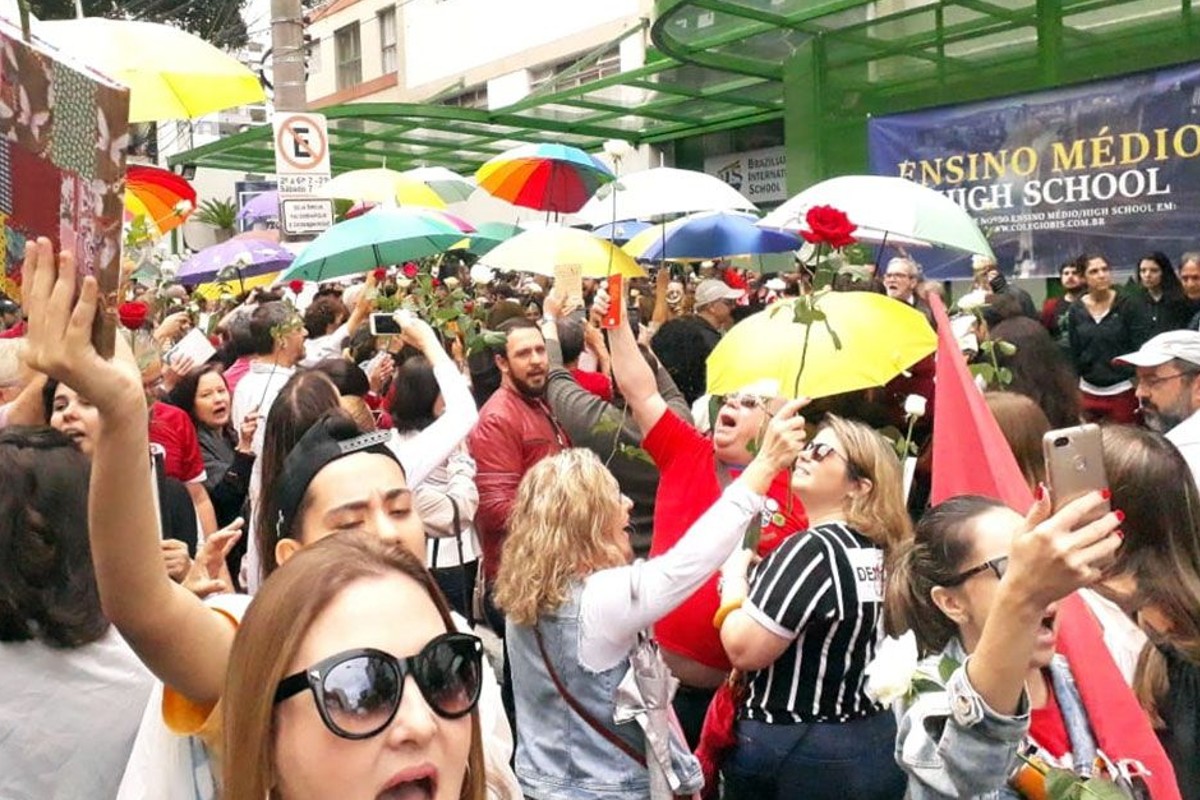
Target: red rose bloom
x=828 y=225
x=380 y=274
x=469 y=307
x=410 y=270
x=133 y=315
x=296 y=286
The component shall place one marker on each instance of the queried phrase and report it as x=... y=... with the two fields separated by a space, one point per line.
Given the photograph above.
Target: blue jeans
x=815 y=761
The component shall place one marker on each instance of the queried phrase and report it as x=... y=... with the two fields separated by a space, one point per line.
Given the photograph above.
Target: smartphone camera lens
x=1062 y=441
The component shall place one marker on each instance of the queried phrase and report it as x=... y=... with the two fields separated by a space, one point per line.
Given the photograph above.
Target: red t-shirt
x=594 y=382
x=172 y=428
x=1046 y=726
x=687 y=487
x=15 y=332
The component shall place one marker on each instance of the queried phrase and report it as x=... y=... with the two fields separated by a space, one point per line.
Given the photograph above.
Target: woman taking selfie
x=577 y=608
x=981 y=589
x=804 y=627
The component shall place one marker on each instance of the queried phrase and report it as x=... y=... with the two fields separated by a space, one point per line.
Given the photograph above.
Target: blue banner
x=1111 y=167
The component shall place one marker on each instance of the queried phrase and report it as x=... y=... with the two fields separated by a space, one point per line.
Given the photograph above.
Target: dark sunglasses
x=358 y=691
x=819 y=451
x=998 y=566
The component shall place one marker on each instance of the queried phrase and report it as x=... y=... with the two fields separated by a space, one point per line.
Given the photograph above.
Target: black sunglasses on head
x=358 y=691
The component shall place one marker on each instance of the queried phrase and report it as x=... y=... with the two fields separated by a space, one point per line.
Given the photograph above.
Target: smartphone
x=615 y=299
x=1075 y=465
x=384 y=323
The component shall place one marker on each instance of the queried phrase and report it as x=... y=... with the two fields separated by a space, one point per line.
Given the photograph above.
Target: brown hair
x=1152 y=485
x=933 y=557
x=559 y=531
x=879 y=514
x=271 y=634
x=1023 y=424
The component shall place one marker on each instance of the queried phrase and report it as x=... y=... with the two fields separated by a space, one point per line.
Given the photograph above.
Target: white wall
x=323 y=81
x=447 y=38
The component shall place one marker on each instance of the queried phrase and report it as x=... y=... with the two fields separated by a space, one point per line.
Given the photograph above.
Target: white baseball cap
x=1184 y=345
x=711 y=290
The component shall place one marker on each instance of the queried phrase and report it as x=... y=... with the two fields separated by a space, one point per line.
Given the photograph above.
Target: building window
x=347 y=48
x=387 y=39
x=571 y=74
x=472 y=98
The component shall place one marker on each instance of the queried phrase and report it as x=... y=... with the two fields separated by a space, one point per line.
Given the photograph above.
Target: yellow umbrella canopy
x=541 y=251
x=384 y=186
x=234 y=285
x=171 y=74
x=864 y=340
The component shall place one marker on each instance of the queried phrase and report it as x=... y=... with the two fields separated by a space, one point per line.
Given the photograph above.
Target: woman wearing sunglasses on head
x=577 y=606
x=982 y=589
x=803 y=627
x=334 y=480
x=326 y=697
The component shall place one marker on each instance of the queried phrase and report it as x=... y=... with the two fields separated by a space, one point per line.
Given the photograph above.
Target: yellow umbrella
x=384 y=186
x=234 y=286
x=863 y=340
x=540 y=251
x=171 y=74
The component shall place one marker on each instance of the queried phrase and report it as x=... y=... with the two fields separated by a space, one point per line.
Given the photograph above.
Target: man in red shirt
x=693 y=470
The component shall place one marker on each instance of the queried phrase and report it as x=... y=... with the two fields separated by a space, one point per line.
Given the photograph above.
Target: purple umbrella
x=243 y=257
x=261 y=206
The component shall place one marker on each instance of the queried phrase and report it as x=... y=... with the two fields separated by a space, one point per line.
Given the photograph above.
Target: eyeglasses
x=358 y=691
x=998 y=566
x=819 y=451
x=746 y=401
x=1154 y=383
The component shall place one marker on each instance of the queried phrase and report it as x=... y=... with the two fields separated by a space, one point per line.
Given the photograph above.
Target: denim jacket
x=952 y=745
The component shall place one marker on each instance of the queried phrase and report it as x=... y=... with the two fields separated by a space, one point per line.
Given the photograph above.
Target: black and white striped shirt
x=823 y=589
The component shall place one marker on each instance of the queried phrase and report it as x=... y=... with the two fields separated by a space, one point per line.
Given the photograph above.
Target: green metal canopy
x=721 y=64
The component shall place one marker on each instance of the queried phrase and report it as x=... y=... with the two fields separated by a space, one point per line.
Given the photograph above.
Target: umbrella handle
x=879 y=252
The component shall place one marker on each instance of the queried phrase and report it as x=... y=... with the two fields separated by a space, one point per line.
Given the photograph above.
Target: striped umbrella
x=163 y=198
x=546 y=177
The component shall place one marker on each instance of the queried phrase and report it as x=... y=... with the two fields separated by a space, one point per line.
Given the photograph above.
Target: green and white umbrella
x=890 y=209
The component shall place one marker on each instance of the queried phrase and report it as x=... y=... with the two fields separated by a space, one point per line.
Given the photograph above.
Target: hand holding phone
x=385 y=323
x=612 y=317
x=1075 y=466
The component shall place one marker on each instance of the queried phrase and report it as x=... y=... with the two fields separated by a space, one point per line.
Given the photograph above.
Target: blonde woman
x=804 y=627
x=576 y=607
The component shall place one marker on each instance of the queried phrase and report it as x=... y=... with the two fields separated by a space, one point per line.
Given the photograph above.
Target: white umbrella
x=660 y=192
x=890 y=209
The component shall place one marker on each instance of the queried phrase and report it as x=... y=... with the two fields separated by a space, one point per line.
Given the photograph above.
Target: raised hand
x=207 y=574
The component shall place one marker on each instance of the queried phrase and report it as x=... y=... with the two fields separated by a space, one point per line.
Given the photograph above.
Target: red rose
x=380 y=274
x=297 y=286
x=469 y=307
x=133 y=315
x=410 y=270
x=434 y=282
x=828 y=225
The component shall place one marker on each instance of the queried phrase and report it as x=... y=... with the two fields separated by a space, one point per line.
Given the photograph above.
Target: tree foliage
x=217 y=21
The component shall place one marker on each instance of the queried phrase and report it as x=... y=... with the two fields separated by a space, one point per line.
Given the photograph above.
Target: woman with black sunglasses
x=803 y=628
x=982 y=589
x=326 y=699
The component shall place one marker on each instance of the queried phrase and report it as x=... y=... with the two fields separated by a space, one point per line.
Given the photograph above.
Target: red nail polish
x=1106 y=494
x=1120 y=515
x=1041 y=492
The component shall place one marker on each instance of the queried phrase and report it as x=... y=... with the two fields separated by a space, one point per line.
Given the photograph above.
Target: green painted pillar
x=802 y=111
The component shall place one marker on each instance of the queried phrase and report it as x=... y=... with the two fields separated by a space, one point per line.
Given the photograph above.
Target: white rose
x=481 y=274
x=451 y=283
x=890 y=675
x=914 y=405
x=972 y=300
x=404 y=283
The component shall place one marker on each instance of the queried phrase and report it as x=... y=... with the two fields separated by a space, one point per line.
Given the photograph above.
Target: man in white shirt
x=1168 y=391
x=278 y=334
x=328 y=326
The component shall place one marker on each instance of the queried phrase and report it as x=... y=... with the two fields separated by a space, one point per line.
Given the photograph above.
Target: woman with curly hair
x=577 y=608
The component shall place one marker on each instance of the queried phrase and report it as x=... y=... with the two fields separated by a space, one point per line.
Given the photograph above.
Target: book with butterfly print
x=64 y=129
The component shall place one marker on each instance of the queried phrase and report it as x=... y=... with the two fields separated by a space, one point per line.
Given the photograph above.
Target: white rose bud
x=404 y=283
x=972 y=300
x=451 y=283
x=890 y=675
x=914 y=405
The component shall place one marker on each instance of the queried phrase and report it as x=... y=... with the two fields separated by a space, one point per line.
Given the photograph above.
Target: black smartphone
x=384 y=324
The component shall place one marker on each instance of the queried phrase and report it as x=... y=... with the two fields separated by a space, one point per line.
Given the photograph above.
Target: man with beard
x=1168 y=392
x=516 y=429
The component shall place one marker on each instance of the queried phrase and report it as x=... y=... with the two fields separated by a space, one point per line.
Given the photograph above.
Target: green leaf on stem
x=1006 y=348
x=947 y=667
x=985 y=371
x=1004 y=376
x=1062 y=784
x=1100 y=789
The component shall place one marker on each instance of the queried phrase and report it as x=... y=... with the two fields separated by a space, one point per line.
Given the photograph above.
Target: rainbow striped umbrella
x=165 y=199
x=546 y=177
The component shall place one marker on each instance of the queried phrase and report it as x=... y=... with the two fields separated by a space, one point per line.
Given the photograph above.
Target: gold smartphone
x=1075 y=466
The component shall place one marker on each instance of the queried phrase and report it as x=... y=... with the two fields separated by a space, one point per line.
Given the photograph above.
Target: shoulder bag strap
x=595 y=724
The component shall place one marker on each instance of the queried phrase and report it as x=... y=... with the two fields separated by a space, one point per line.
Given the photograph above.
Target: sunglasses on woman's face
x=819 y=451
x=358 y=691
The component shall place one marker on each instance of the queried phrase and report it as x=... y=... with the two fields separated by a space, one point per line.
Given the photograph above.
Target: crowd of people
x=217 y=578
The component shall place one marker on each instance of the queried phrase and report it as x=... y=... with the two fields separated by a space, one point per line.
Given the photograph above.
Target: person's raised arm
x=362 y=307
x=181 y=641
x=631 y=372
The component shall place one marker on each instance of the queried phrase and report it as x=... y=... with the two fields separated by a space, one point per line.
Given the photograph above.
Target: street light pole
x=287 y=57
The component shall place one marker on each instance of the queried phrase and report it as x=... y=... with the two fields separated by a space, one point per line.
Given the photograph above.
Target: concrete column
x=287 y=55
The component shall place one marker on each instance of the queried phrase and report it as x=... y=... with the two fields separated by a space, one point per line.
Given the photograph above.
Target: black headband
x=316 y=450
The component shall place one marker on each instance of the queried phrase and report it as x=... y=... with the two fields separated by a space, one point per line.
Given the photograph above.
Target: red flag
x=970 y=454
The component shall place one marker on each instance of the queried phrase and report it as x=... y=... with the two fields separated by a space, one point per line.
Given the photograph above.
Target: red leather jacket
x=514 y=432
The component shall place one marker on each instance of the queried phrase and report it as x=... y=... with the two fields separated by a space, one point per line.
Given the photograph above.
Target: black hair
x=416 y=392
x=184 y=394
x=1171 y=287
x=570 y=338
x=323 y=314
x=349 y=378
x=47 y=584
x=264 y=320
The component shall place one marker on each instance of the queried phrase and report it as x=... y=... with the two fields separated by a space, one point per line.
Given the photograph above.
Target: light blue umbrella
x=621 y=232
x=709 y=235
x=385 y=236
